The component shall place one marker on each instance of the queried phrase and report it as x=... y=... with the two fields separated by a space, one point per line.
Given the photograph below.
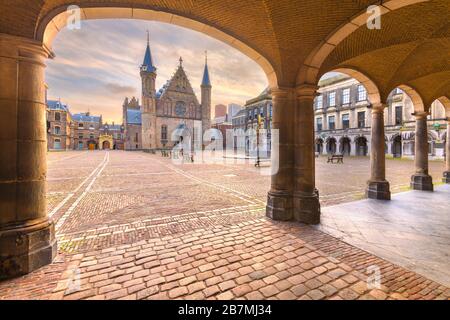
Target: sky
x=97 y=66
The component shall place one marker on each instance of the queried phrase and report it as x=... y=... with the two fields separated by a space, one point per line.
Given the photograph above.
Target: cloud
x=97 y=66
x=117 y=89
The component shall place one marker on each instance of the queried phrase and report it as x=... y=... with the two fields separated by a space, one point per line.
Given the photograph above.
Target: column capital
x=282 y=92
x=378 y=107
x=306 y=91
x=21 y=48
x=420 y=115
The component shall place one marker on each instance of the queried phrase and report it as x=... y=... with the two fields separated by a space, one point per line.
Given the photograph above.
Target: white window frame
x=346 y=96
x=319 y=102
x=332 y=99
x=362 y=93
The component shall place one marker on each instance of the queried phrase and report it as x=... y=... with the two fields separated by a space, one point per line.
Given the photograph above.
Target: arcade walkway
x=411 y=230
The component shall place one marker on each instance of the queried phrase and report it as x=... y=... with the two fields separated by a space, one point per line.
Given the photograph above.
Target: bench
x=258 y=161
x=338 y=157
x=165 y=153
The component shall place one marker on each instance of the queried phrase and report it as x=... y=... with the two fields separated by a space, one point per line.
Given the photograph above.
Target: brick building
x=87 y=131
x=170 y=115
x=60 y=131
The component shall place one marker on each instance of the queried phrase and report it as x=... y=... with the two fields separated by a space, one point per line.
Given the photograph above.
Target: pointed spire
x=206 y=81
x=147 y=65
x=181 y=61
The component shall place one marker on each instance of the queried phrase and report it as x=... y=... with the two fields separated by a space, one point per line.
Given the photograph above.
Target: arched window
x=57 y=130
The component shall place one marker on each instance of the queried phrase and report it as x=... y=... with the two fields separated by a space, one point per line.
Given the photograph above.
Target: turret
x=148 y=107
x=206 y=97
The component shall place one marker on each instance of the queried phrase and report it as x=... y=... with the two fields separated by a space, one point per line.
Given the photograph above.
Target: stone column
x=377 y=186
x=352 y=147
x=446 y=178
x=279 y=198
x=27 y=237
x=421 y=180
x=306 y=196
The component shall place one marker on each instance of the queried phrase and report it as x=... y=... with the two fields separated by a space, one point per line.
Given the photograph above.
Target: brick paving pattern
x=136 y=226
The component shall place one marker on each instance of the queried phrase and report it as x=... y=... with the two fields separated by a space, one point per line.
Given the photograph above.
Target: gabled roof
x=57 y=105
x=84 y=117
x=112 y=127
x=178 y=82
x=134 y=116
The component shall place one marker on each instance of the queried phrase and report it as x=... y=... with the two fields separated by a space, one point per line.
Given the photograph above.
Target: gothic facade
x=171 y=115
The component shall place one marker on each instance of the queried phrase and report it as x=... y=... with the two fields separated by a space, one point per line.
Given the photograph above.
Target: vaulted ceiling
x=411 y=48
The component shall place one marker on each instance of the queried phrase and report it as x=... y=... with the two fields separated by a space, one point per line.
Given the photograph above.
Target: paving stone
x=204 y=244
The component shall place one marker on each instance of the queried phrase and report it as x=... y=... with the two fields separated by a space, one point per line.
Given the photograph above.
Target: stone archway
x=331 y=145
x=345 y=146
x=397 y=146
x=292 y=195
x=319 y=146
x=23 y=65
x=105 y=142
x=361 y=146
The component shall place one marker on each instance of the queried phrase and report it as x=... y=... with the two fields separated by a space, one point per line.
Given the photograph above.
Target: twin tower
x=175 y=105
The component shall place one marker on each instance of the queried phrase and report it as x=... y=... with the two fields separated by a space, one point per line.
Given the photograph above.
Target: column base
x=307 y=207
x=378 y=190
x=423 y=182
x=446 y=178
x=26 y=248
x=279 y=206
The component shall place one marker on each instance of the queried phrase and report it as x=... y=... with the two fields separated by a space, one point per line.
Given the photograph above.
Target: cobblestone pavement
x=135 y=226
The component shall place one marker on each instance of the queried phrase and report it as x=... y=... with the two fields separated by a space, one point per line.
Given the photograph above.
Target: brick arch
x=415 y=97
x=373 y=93
x=309 y=72
x=50 y=25
x=446 y=103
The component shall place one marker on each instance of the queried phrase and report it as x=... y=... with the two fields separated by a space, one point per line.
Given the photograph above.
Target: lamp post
x=258 y=127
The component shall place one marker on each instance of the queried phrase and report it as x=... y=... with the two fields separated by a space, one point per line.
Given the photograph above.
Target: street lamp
x=258 y=127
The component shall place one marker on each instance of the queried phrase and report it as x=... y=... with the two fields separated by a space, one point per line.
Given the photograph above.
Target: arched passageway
x=397 y=146
x=319 y=146
x=106 y=145
x=345 y=146
x=331 y=146
x=361 y=146
x=293 y=64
